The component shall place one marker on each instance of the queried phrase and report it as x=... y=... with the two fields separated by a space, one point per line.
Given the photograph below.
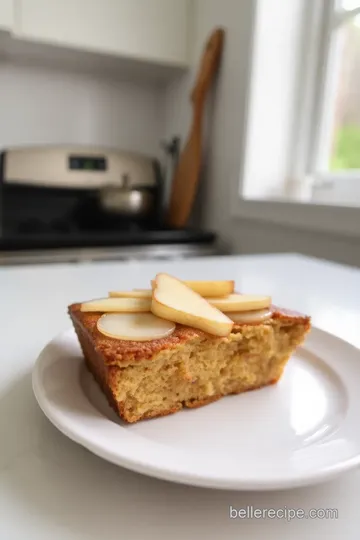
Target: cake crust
x=189 y=368
x=122 y=353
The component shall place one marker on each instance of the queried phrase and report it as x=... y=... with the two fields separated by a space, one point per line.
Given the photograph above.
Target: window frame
x=297 y=206
x=308 y=169
x=333 y=16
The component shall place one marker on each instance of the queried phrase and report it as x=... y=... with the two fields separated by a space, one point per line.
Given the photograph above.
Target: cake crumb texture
x=189 y=368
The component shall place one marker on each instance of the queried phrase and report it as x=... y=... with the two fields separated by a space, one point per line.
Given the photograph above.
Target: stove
x=130 y=244
x=51 y=212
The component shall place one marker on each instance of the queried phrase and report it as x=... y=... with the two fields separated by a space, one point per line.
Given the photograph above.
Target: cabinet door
x=6 y=14
x=154 y=30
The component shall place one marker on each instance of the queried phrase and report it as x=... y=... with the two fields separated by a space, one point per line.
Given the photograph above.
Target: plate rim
x=164 y=473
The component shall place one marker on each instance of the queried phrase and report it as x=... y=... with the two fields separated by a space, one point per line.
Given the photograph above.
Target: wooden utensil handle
x=207 y=67
x=187 y=174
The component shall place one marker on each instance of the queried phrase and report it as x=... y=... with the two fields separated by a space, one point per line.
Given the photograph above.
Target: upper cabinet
x=147 y=30
x=6 y=14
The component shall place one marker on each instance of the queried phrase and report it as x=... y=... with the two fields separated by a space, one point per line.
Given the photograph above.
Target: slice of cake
x=169 y=348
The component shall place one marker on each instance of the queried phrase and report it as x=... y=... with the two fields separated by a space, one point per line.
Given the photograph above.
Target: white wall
x=224 y=140
x=41 y=105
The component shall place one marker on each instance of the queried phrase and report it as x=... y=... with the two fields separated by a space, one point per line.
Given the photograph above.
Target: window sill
x=335 y=219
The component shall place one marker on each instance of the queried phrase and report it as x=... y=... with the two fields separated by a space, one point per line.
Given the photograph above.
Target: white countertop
x=51 y=488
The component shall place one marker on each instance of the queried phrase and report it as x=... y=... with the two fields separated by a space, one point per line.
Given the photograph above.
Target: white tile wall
x=41 y=105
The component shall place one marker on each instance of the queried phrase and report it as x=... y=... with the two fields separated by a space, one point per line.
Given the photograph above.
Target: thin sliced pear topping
x=134 y=326
x=240 y=302
x=174 y=301
x=209 y=288
x=250 y=317
x=143 y=293
x=122 y=305
x=147 y=291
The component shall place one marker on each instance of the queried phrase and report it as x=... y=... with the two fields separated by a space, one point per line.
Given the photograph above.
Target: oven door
x=33 y=211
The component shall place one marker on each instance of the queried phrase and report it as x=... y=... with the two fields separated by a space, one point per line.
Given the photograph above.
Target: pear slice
x=134 y=326
x=136 y=293
x=209 y=288
x=251 y=317
x=240 y=302
x=145 y=291
x=175 y=301
x=124 y=305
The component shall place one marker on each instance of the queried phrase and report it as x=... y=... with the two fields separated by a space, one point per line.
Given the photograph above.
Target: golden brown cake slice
x=189 y=368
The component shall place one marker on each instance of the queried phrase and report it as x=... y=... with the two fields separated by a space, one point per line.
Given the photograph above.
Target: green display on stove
x=87 y=163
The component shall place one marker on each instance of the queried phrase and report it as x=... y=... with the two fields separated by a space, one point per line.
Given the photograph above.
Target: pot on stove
x=80 y=186
x=133 y=202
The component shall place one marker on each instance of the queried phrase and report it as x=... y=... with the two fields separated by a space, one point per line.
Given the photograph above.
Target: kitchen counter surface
x=51 y=488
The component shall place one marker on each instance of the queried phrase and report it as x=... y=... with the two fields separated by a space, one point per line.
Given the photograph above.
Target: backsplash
x=44 y=106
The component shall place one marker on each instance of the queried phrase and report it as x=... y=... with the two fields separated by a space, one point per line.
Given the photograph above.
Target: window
x=303 y=130
x=300 y=158
x=340 y=138
x=334 y=149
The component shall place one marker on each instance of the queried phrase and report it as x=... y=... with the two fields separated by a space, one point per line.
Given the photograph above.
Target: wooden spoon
x=187 y=174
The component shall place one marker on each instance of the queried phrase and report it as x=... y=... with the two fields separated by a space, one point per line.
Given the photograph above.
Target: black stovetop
x=130 y=236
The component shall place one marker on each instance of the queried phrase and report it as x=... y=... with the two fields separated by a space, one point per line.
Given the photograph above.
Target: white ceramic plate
x=303 y=430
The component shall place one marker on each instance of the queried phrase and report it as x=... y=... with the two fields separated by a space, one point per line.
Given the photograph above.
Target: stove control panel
x=73 y=167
